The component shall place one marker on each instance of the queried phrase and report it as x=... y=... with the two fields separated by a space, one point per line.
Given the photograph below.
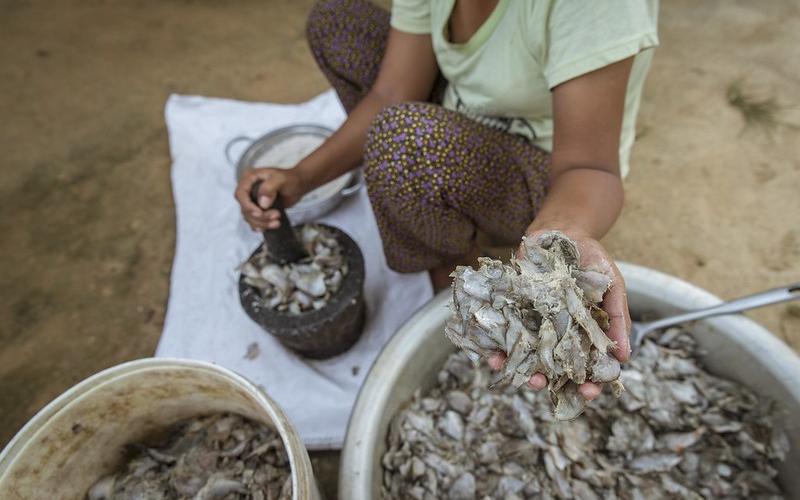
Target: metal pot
x=259 y=154
x=736 y=347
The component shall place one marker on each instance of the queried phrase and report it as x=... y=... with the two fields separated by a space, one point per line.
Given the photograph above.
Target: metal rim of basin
x=367 y=425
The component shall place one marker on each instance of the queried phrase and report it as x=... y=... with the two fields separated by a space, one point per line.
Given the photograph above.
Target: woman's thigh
x=422 y=157
x=348 y=40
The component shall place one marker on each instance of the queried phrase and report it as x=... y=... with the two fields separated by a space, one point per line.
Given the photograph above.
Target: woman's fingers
x=268 y=216
x=257 y=214
x=267 y=191
x=265 y=220
x=615 y=304
x=255 y=222
x=590 y=390
x=261 y=218
x=496 y=361
x=269 y=187
x=242 y=194
x=537 y=382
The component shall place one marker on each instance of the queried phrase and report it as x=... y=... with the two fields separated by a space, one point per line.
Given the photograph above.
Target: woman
x=506 y=116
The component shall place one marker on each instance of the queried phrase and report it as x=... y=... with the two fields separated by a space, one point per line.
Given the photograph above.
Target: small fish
x=303 y=286
x=102 y=489
x=463 y=488
x=655 y=462
x=204 y=459
x=253 y=351
x=219 y=487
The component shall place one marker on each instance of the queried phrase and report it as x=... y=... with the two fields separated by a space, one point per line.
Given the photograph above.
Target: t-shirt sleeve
x=583 y=36
x=412 y=16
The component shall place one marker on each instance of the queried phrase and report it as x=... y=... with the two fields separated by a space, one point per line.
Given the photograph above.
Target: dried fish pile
x=222 y=456
x=677 y=432
x=542 y=312
x=301 y=286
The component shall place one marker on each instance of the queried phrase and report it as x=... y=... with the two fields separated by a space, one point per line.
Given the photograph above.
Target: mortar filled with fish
x=299 y=287
x=315 y=305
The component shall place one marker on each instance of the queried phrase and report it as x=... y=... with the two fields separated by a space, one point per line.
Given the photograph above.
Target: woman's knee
x=399 y=129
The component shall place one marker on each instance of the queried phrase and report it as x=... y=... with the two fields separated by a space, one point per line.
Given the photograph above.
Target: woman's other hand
x=274 y=181
x=615 y=304
x=408 y=72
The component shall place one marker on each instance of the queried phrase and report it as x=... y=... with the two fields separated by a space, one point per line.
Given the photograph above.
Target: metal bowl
x=737 y=348
x=314 y=204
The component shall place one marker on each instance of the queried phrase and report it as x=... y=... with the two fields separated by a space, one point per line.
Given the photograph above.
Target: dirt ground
x=86 y=212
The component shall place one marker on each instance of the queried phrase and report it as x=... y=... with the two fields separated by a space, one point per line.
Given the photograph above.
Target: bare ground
x=86 y=213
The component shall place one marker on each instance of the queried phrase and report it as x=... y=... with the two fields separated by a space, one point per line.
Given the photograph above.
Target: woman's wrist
x=315 y=170
x=571 y=229
x=305 y=175
x=581 y=202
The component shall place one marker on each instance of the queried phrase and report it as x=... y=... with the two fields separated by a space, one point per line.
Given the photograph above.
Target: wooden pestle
x=281 y=244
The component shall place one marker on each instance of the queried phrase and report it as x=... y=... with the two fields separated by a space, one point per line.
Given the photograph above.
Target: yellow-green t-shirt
x=503 y=75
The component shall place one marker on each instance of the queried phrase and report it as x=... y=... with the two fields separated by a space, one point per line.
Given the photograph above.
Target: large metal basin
x=737 y=348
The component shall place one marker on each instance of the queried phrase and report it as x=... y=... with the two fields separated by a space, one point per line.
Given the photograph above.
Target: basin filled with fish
x=688 y=424
x=676 y=431
x=159 y=428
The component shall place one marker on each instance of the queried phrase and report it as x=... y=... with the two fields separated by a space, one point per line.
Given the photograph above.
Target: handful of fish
x=300 y=286
x=222 y=456
x=677 y=432
x=542 y=312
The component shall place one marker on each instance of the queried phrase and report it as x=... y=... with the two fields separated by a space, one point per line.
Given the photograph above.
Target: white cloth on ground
x=204 y=317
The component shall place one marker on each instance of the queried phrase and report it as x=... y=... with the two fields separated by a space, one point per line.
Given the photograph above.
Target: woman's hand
x=408 y=73
x=274 y=181
x=615 y=304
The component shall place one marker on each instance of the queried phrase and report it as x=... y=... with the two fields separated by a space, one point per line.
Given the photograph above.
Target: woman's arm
x=408 y=73
x=585 y=195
